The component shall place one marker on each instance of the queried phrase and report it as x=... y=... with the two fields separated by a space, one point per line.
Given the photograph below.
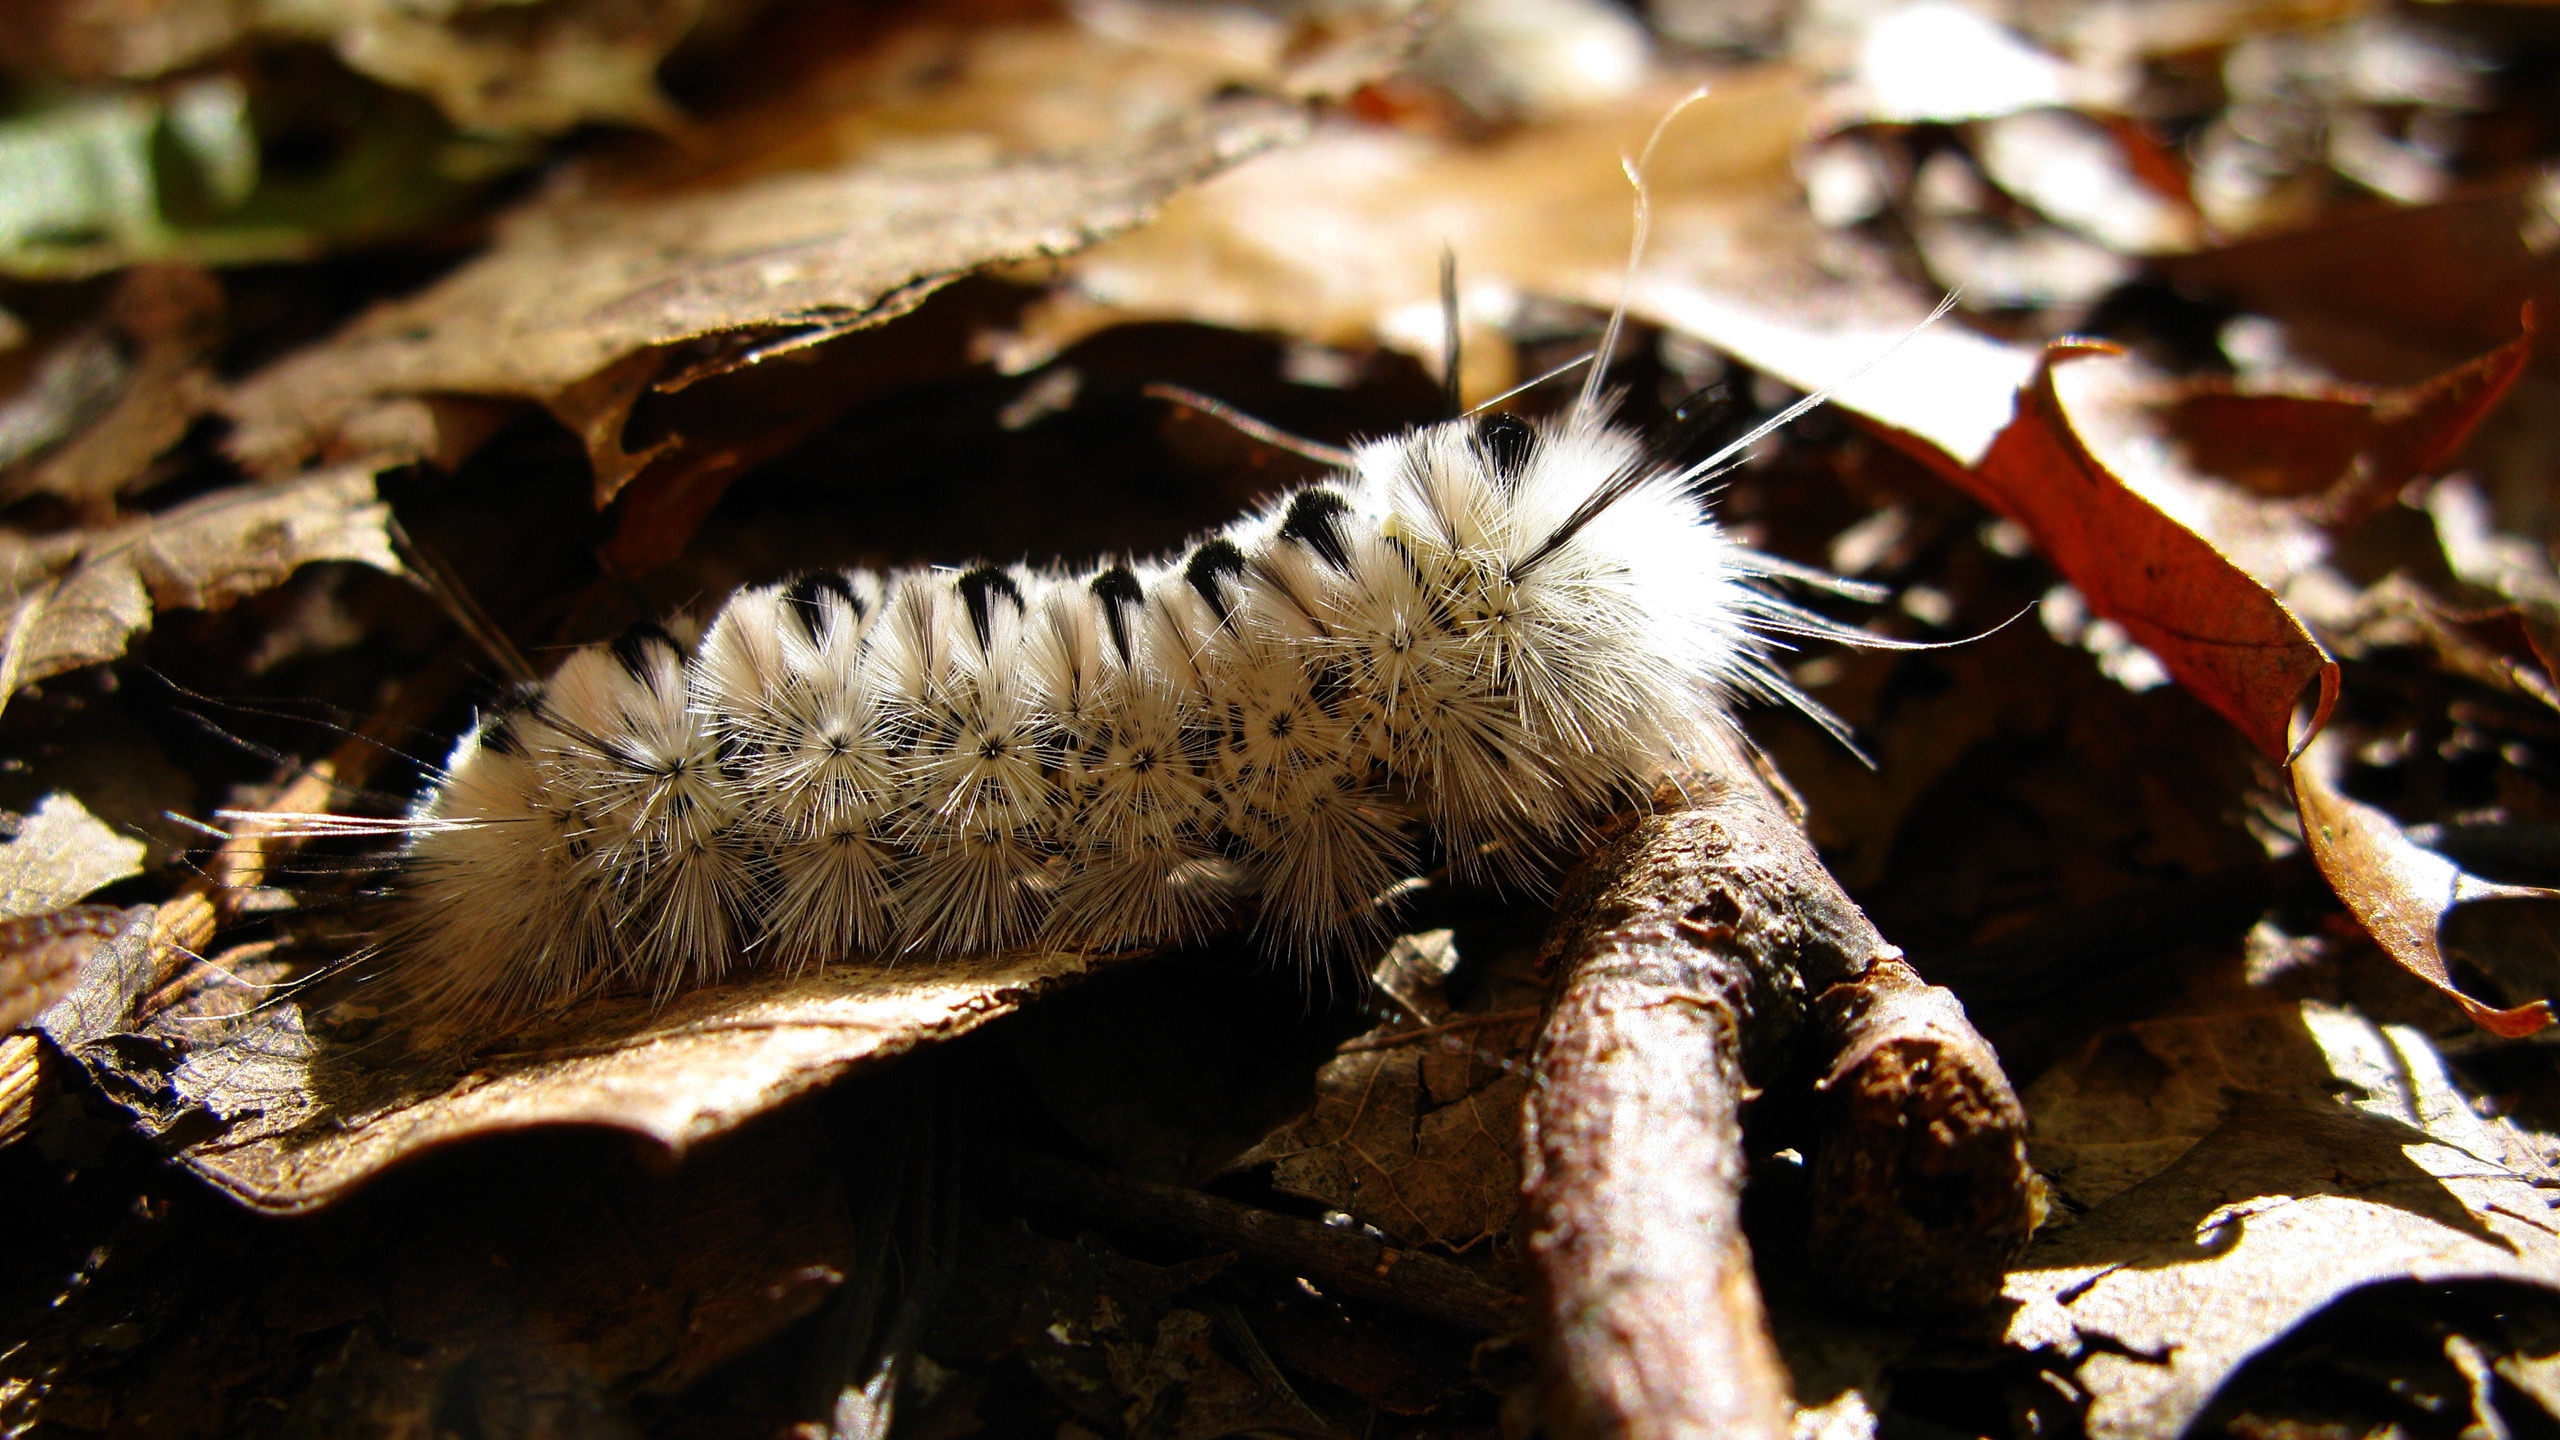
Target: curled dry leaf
x=2092 y=452
x=574 y=305
x=287 y=1115
x=80 y=598
x=2400 y=891
x=2184 y=561
x=2236 y=1196
x=2225 y=636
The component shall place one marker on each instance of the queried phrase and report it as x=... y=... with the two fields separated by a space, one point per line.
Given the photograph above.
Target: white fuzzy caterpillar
x=1492 y=629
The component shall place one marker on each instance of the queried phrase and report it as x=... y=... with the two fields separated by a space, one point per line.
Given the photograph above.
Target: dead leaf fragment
x=80 y=598
x=1338 y=241
x=288 y=1117
x=40 y=958
x=573 y=289
x=2236 y=1198
x=2400 y=892
x=60 y=855
x=2447 y=276
x=2348 y=448
x=170 y=316
x=503 y=66
x=491 y=65
x=1415 y=1124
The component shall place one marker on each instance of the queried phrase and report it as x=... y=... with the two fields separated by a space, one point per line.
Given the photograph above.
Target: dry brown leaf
x=1110 y=1339
x=574 y=303
x=288 y=1117
x=60 y=855
x=1339 y=240
x=2400 y=891
x=502 y=65
x=551 y=1290
x=2138 y=1096
x=80 y=598
x=170 y=316
x=491 y=65
x=1415 y=1124
x=2438 y=279
x=40 y=959
x=2237 y=1197
x=536 y=1311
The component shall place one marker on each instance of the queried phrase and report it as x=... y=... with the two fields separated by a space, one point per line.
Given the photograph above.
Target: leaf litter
x=2263 y=1108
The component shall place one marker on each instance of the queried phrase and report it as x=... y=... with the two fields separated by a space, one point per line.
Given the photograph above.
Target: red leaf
x=2225 y=637
x=2346 y=449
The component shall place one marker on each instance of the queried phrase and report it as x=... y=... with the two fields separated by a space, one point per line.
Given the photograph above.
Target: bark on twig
x=1690 y=946
x=1921 y=1190
x=1343 y=1261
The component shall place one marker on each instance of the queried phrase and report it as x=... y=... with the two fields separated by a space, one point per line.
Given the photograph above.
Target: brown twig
x=1689 y=947
x=1341 y=1260
x=1921 y=1190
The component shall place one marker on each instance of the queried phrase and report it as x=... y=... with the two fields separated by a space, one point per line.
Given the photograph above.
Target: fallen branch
x=1690 y=946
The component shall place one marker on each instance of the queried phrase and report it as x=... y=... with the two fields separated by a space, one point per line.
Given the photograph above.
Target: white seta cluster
x=1490 y=629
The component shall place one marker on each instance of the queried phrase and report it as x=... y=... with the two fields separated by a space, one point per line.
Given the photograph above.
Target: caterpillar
x=1492 y=629
x=1487 y=629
